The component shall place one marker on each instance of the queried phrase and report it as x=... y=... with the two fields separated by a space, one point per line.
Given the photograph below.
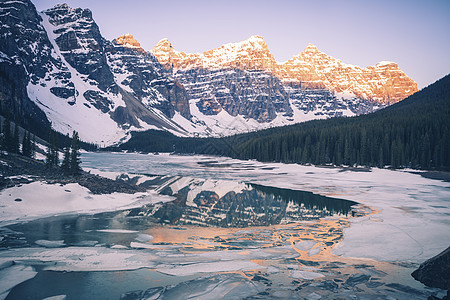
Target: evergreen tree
x=15 y=143
x=55 y=151
x=26 y=144
x=7 y=135
x=33 y=147
x=52 y=155
x=66 y=162
x=75 y=161
x=49 y=160
x=1 y=136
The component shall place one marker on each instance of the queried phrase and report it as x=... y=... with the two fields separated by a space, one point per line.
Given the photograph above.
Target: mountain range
x=56 y=68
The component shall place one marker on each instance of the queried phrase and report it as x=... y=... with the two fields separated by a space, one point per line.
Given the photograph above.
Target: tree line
x=412 y=133
x=71 y=161
x=10 y=140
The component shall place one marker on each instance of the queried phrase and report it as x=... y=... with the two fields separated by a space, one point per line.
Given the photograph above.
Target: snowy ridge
x=251 y=54
x=383 y=83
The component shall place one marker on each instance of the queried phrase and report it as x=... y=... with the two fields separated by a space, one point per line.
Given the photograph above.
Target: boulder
x=435 y=272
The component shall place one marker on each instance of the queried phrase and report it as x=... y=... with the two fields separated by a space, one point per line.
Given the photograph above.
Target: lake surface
x=234 y=229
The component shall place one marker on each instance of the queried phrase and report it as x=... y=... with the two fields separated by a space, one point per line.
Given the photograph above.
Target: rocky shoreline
x=16 y=170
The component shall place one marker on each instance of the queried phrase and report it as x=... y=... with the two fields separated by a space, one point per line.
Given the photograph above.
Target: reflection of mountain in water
x=230 y=204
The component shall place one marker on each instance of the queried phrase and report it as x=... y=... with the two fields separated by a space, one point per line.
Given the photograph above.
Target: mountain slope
x=68 y=70
x=412 y=133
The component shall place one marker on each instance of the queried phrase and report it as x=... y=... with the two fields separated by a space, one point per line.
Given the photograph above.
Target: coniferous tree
x=55 y=151
x=49 y=160
x=65 y=164
x=26 y=144
x=75 y=161
x=33 y=147
x=52 y=155
x=15 y=143
x=7 y=135
x=1 y=136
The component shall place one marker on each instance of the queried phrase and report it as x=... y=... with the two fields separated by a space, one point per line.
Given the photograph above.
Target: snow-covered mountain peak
x=384 y=63
x=63 y=6
x=127 y=40
x=64 y=10
x=311 y=48
x=164 y=43
x=256 y=41
x=77 y=23
x=253 y=43
x=312 y=54
x=251 y=54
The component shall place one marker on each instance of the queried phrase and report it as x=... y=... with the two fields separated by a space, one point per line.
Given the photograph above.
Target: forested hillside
x=412 y=133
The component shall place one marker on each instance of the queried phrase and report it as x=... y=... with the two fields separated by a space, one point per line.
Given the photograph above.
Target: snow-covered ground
x=39 y=199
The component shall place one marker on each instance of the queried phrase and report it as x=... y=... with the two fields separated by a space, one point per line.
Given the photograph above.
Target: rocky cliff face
x=81 y=44
x=252 y=94
x=384 y=83
x=138 y=72
x=243 y=79
x=21 y=39
x=251 y=54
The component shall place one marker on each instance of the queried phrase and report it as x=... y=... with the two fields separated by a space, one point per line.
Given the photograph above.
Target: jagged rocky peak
x=163 y=44
x=255 y=41
x=163 y=51
x=251 y=54
x=25 y=56
x=128 y=41
x=81 y=43
x=312 y=54
x=63 y=13
x=311 y=48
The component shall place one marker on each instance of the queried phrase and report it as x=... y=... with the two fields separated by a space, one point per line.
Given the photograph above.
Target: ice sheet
x=411 y=222
x=12 y=276
x=218 y=286
x=305 y=275
x=117 y=231
x=80 y=258
x=50 y=244
x=58 y=297
x=211 y=267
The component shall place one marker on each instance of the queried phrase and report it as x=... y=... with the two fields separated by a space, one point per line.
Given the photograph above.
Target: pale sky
x=414 y=34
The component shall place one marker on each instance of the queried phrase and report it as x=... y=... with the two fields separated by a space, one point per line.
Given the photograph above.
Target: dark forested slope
x=412 y=133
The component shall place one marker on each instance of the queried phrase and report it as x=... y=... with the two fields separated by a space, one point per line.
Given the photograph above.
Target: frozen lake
x=217 y=227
